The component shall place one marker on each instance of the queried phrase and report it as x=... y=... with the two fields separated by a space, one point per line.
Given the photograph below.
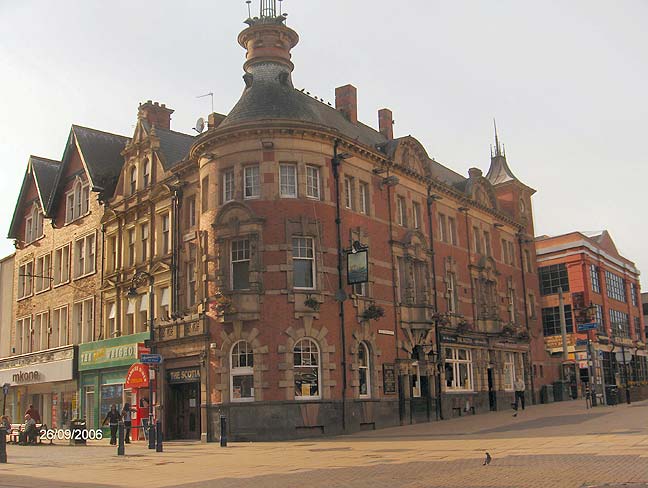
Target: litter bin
x=78 y=429
x=547 y=394
x=612 y=394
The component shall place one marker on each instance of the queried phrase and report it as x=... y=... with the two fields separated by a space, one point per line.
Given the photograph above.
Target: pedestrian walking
x=112 y=417
x=127 y=415
x=519 y=393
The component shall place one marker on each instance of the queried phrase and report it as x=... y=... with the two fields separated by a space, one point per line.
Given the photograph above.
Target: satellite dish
x=200 y=125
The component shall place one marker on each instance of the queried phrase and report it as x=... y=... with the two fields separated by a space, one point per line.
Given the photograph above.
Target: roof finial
x=498 y=149
x=268 y=9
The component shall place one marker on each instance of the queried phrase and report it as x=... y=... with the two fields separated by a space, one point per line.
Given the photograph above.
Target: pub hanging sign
x=357 y=264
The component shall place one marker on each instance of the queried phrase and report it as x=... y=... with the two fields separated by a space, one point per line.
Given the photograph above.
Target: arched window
x=241 y=372
x=146 y=173
x=307 y=369
x=77 y=200
x=133 y=179
x=364 y=370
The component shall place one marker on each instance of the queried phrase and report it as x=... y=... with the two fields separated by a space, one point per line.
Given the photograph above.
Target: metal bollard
x=120 y=438
x=3 y=446
x=151 y=435
x=158 y=436
x=223 y=431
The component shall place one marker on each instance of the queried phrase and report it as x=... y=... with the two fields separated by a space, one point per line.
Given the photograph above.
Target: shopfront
x=184 y=403
x=46 y=380
x=103 y=370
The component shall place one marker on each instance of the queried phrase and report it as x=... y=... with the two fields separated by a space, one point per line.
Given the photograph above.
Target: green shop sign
x=121 y=351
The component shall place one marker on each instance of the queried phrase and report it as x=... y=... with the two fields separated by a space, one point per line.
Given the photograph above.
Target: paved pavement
x=558 y=445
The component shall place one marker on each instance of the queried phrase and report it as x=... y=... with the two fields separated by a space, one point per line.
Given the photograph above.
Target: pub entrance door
x=184 y=414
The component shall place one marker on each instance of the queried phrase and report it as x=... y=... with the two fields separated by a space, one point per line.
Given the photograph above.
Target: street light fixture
x=625 y=365
x=140 y=278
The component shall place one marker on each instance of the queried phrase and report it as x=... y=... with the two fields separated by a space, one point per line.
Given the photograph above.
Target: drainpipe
x=101 y=296
x=340 y=295
x=437 y=333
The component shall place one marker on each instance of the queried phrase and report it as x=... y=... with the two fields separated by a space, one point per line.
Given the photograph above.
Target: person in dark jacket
x=127 y=415
x=112 y=417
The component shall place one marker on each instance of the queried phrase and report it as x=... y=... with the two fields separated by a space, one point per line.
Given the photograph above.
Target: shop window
x=306 y=362
x=110 y=395
x=313 y=182
x=62 y=265
x=303 y=262
x=89 y=394
x=288 y=181
x=458 y=369
x=252 y=182
x=241 y=372
x=240 y=264
x=364 y=370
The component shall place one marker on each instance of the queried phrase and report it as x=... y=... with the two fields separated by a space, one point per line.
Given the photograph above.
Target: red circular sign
x=137 y=377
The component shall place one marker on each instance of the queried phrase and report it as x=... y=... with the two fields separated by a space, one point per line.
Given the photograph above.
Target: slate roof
x=268 y=98
x=101 y=152
x=174 y=146
x=45 y=173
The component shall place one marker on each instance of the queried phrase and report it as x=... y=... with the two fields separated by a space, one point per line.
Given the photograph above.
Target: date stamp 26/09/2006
x=76 y=434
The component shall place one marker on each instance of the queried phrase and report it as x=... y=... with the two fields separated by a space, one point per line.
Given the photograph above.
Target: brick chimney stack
x=386 y=123
x=156 y=114
x=346 y=101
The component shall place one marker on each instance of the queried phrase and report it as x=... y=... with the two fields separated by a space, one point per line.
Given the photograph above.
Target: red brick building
x=592 y=273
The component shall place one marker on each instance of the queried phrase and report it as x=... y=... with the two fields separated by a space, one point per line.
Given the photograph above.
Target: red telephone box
x=137 y=380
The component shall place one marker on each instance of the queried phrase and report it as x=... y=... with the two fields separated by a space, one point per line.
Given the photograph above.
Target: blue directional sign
x=586 y=327
x=581 y=342
x=150 y=358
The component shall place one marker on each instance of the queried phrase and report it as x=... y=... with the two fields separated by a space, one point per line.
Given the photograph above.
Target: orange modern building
x=599 y=286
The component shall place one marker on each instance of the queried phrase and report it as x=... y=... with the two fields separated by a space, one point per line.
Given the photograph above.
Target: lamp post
x=625 y=366
x=140 y=278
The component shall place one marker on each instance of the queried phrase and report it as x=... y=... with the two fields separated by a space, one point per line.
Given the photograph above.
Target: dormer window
x=77 y=201
x=34 y=225
x=133 y=179
x=146 y=173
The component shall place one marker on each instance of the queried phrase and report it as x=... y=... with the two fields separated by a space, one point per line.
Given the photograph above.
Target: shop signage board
x=137 y=377
x=389 y=379
x=110 y=353
x=469 y=341
x=39 y=373
x=184 y=375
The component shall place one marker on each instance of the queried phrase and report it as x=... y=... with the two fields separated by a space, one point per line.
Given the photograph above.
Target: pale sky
x=566 y=81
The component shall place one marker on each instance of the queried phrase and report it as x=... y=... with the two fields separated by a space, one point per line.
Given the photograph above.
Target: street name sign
x=586 y=327
x=151 y=358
